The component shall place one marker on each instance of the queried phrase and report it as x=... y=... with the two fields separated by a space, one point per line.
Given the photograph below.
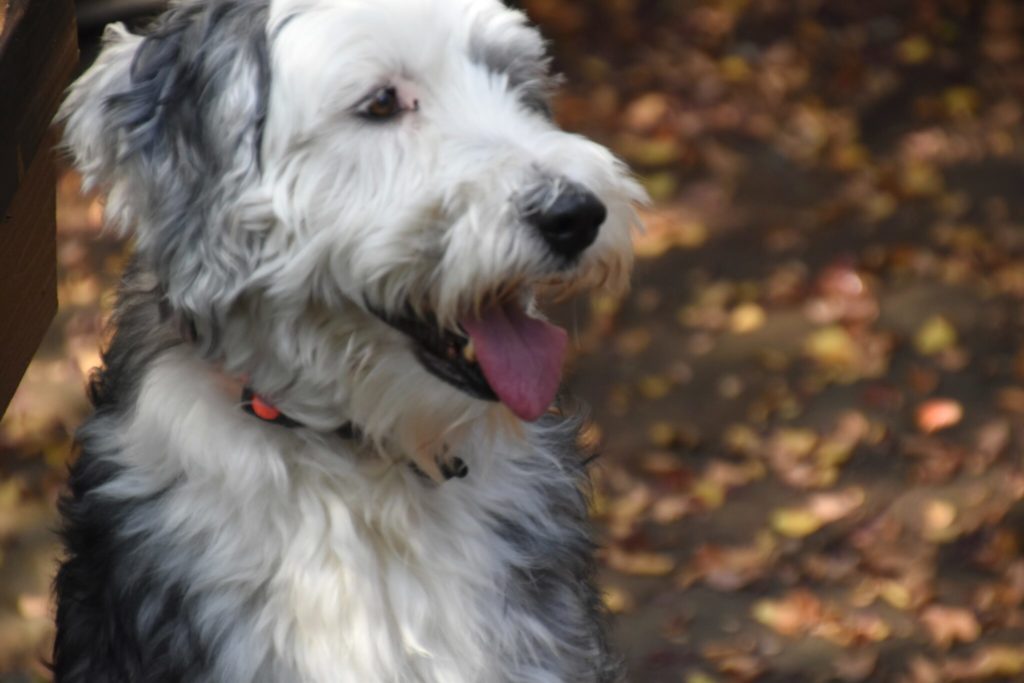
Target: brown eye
x=382 y=105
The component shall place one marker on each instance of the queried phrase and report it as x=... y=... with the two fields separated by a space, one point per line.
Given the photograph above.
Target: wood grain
x=28 y=278
x=38 y=53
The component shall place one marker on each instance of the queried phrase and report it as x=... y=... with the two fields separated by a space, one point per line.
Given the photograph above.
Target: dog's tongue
x=521 y=357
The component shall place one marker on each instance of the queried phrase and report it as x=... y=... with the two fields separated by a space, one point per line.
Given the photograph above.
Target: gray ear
x=198 y=85
x=163 y=92
x=171 y=123
x=88 y=136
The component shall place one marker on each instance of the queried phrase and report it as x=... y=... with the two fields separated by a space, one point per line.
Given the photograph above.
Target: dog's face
x=355 y=202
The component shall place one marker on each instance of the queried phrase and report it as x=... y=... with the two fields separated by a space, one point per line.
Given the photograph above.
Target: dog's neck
x=438 y=469
x=259 y=407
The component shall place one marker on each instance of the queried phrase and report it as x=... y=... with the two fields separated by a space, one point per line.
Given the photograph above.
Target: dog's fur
x=271 y=222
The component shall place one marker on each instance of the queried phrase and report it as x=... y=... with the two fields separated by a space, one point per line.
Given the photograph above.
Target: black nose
x=571 y=222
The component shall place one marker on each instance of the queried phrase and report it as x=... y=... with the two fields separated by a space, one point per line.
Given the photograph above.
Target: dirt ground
x=809 y=408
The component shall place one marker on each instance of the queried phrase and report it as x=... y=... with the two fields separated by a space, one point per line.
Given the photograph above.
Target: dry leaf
x=795 y=522
x=732 y=568
x=938 y=518
x=795 y=614
x=949 y=625
x=746 y=318
x=938 y=414
x=988 y=662
x=639 y=563
x=937 y=334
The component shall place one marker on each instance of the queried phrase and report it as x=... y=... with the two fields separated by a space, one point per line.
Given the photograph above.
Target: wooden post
x=38 y=53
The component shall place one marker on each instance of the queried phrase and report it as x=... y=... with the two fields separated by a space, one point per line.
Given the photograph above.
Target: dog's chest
x=399 y=581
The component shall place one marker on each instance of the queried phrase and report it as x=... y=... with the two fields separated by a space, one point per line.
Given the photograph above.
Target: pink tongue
x=521 y=357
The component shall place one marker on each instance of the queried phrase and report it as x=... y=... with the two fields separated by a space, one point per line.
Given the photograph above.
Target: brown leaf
x=987 y=662
x=795 y=614
x=949 y=625
x=639 y=563
x=732 y=568
x=856 y=665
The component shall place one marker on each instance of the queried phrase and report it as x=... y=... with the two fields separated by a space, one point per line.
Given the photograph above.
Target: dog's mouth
x=499 y=354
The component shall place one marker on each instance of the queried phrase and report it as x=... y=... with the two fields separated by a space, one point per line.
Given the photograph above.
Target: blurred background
x=810 y=408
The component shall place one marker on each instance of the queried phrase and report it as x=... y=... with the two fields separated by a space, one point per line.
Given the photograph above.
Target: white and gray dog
x=323 y=448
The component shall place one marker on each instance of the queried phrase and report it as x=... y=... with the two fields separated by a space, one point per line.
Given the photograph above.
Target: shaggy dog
x=323 y=448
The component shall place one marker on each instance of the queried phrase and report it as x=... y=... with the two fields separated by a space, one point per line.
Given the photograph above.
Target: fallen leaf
x=795 y=522
x=746 y=318
x=831 y=507
x=938 y=518
x=856 y=666
x=794 y=614
x=914 y=50
x=937 y=334
x=938 y=414
x=988 y=662
x=732 y=568
x=617 y=600
x=33 y=606
x=654 y=386
x=832 y=346
x=639 y=563
x=645 y=112
x=949 y=625
x=820 y=509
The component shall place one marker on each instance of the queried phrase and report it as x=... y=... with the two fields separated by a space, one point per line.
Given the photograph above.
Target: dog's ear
x=190 y=91
x=171 y=124
x=88 y=134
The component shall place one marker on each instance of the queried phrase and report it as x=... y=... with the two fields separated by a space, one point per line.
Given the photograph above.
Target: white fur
x=354 y=567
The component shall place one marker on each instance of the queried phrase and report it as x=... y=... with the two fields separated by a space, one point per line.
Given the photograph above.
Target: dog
x=323 y=446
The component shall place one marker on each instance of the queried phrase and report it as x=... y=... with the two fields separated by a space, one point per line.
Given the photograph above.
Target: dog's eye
x=382 y=105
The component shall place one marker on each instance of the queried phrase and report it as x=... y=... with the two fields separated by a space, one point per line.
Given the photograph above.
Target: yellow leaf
x=746 y=318
x=662 y=434
x=833 y=346
x=617 y=600
x=961 y=102
x=735 y=69
x=655 y=386
x=795 y=522
x=919 y=179
x=660 y=186
x=710 y=493
x=914 y=50
x=937 y=334
x=699 y=677
x=939 y=516
x=896 y=594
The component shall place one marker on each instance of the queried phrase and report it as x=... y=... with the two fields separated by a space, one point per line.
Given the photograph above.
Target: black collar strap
x=259 y=407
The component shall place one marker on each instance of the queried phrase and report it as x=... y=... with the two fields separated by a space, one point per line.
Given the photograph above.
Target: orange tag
x=264 y=410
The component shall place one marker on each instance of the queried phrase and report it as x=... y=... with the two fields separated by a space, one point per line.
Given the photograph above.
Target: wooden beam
x=38 y=54
x=28 y=275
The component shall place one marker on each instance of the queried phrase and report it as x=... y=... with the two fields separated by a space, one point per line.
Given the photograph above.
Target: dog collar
x=259 y=407
x=262 y=409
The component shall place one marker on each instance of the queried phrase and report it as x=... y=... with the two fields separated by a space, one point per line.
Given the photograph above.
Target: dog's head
x=355 y=202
